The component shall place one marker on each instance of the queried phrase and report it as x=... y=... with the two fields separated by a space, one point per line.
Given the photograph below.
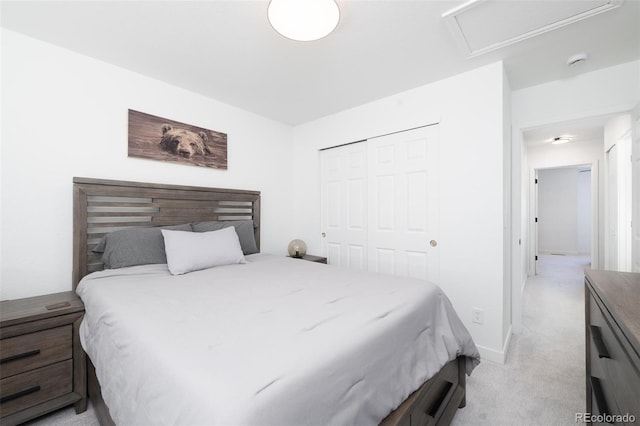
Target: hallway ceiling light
x=303 y=20
x=577 y=59
x=558 y=140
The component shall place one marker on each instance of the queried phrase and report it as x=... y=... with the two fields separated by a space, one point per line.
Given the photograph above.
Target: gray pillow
x=134 y=246
x=244 y=229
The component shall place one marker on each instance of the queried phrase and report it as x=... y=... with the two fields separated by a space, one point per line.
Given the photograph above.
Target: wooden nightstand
x=311 y=258
x=42 y=365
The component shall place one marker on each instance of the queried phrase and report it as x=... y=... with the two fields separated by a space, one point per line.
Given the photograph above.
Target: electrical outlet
x=477 y=316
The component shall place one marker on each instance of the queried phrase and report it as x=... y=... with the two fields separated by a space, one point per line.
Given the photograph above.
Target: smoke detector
x=578 y=58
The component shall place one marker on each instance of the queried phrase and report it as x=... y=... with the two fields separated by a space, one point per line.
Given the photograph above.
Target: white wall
x=510 y=241
x=615 y=128
x=584 y=221
x=608 y=91
x=618 y=243
x=635 y=190
x=65 y=115
x=470 y=110
x=560 y=199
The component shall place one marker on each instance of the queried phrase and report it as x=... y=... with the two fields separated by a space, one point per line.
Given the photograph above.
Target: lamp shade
x=297 y=248
x=303 y=20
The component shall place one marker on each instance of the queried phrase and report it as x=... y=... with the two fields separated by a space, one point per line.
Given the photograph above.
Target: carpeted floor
x=543 y=380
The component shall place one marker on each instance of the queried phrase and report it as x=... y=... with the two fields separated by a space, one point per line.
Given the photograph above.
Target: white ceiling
x=584 y=130
x=226 y=50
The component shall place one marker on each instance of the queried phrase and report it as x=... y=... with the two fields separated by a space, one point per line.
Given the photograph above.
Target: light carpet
x=543 y=380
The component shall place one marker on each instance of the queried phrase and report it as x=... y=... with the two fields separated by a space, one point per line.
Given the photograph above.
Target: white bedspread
x=276 y=341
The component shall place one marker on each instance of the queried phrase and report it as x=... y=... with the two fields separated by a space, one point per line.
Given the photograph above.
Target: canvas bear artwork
x=161 y=139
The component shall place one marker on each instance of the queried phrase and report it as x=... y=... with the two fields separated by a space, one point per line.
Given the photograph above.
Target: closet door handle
x=596 y=335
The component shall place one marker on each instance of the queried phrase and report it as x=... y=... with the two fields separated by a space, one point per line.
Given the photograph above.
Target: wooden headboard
x=102 y=206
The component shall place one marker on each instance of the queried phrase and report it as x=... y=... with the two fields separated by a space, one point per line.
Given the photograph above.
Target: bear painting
x=184 y=142
x=161 y=139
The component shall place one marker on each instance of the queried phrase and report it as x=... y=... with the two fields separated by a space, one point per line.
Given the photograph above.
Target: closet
x=379 y=201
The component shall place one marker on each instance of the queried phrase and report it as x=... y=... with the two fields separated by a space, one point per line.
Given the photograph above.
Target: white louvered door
x=380 y=204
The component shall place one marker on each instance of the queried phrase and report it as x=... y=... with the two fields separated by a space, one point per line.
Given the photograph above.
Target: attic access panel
x=481 y=26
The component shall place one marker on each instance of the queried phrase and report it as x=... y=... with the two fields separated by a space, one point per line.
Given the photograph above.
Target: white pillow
x=192 y=251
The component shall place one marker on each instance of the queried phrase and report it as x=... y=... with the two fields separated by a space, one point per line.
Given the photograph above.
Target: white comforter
x=276 y=341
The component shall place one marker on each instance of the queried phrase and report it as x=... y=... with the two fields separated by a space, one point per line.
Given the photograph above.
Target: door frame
x=521 y=231
x=623 y=199
x=533 y=212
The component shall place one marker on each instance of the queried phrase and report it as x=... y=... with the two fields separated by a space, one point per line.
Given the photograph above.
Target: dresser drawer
x=619 y=377
x=34 y=387
x=602 y=386
x=33 y=350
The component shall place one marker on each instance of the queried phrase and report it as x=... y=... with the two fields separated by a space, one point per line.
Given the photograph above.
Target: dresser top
x=39 y=307
x=620 y=293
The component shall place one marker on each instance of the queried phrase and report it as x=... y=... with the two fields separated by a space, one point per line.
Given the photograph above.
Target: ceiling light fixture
x=303 y=20
x=558 y=140
x=578 y=58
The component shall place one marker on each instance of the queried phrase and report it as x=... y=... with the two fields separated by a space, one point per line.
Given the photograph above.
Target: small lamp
x=297 y=248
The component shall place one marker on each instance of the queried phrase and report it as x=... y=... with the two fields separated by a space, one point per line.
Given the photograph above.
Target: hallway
x=543 y=380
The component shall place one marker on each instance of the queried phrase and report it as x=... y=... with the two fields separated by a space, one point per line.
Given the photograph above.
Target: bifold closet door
x=402 y=203
x=343 y=202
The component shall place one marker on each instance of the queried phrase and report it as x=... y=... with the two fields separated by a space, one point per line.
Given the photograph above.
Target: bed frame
x=102 y=206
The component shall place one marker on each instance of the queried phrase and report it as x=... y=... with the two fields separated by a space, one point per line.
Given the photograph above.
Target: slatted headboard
x=102 y=206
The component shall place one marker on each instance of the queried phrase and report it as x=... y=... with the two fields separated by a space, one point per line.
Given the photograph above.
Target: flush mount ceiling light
x=578 y=58
x=303 y=20
x=558 y=140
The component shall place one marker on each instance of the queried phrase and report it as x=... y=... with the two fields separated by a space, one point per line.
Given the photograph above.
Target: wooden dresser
x=612 y=315
x=42 y=365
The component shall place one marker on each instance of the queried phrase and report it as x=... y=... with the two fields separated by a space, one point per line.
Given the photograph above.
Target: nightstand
x=311 y=258
x=42 y=365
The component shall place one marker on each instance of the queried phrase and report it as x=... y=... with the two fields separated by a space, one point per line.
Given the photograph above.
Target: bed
x=269 y=340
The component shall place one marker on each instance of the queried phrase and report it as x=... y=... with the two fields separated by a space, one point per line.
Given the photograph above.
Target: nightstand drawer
x=33 y=387
x=33 y=350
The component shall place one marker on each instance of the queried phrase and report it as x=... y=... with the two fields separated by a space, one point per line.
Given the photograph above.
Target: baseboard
x=559 y=252
x=492 y=355
x=507 y=342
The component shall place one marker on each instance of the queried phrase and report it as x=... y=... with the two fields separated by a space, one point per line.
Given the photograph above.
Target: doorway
x=579 y=159
x=564 y=204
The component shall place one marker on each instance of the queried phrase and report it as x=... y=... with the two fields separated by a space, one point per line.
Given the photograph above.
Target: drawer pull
x=20 y=356
x=596 y=335
x=19 y=394
x=599 y=394
x=435 y=406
